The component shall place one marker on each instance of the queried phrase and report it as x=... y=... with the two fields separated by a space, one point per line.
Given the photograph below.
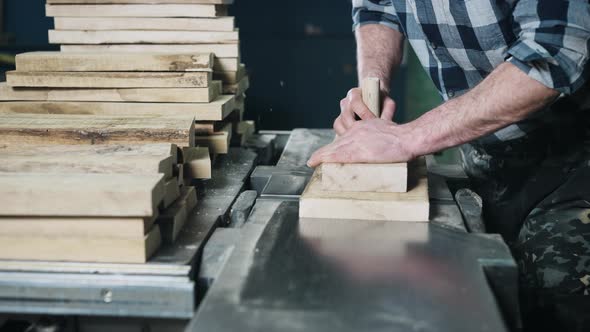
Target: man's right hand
x=352 y=105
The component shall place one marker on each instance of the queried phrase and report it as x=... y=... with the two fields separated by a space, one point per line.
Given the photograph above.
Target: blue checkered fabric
x=459 y=42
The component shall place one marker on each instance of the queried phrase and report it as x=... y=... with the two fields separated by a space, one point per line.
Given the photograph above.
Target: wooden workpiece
x=142 y=36
x=84 y=62
x=145 y=95
x=220 y=50
x=214 y=111
x=97 y=2
x=231 y=77
x=136 y=10
x=109 y=79
x=197 y=163
x=237 y=89
x=390 y=177
x=217 y=142
x=145 y=23
x=77 y=194
x=411 y=206
x=80 y=249
x=87 y=129
x=121 y=159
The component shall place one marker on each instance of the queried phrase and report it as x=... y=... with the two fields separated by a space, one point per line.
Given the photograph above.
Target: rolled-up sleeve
x=553 y=42
x=374 y=12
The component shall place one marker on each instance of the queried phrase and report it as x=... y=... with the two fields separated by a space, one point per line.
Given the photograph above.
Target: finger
x=355 y=101
x=339 y=127
x=316 y=157
x=389 y=108
x=346 y=114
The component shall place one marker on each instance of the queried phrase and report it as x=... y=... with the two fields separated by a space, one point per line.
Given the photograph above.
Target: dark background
x=300 y=56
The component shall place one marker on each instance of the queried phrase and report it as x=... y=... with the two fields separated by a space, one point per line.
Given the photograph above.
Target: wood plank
x=76 y=194
x=80 y=249
x=136 y=10
x=231 y=77
x=148 y=95
x=87 y=129
x=109 y=79
x=226 y=64
x=142 y=36
x=85 y=62
x=197 y=163
x=173 y=218
x=97 y=2
x=382 y=178
x=239 y=88
x=214 y=111
x=218 y=142
x=81 y=227
x=145 y=23
x=171 y=192
x=220 y=50
x=121 y=159
x=412 y=206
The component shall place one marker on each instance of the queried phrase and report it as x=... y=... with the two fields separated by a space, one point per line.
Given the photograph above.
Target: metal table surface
x=164 y=287
x=293 y=274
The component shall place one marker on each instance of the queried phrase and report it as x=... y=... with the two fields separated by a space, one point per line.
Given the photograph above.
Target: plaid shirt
x=459 y=42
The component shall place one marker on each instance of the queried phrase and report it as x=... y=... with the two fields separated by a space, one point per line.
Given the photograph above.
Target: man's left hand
x=368 y=141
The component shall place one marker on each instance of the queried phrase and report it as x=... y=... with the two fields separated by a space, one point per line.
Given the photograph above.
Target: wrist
x=415 y=140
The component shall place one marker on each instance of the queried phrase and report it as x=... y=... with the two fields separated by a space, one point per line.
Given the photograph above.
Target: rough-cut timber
x=80 y=249
x=136 y=10
x=98 y=2
x=142 y=36
x=101 y=62
x=239 y=88
x=109 y=79
x=231 y=77
x=146 y=95
x=87 y=129
x=220 y=50
x=214 y=111
x=121 y=159
x=197 y=163
x=217 y=142
x=76 y=194
x=145 y=23
x=174 y=217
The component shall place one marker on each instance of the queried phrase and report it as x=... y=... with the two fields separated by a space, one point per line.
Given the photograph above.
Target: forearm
x=379 y=52
x=506 y=96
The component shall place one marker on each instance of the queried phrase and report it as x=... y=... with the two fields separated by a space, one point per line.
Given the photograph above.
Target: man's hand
x=353 y=105
x=368 y=141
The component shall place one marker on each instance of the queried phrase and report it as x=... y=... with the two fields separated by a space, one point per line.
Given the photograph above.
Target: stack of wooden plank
x=99 y=203
x=164 y=26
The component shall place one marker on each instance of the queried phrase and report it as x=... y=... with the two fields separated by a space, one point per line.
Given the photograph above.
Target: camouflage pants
x=536 y=193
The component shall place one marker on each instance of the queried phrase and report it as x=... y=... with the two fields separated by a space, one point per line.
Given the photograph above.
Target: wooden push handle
x=371 y=94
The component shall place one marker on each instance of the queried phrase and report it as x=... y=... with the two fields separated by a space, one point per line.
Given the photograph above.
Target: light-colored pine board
x=136 y=10
x=412 y=206
x=220 y=50
x=197 y=163
x=88 y=129
x=214 y=111
x=80 y=227
x=145 y=23
x=231 y=77
x=218 y=142
x=97 y=2
x=76 y=194
x=142 y=36
x=121 y=159
x=204 y=128
x=226 y=64
x=80 y=249
x=392 y=178
x=173 y=218
x=239 y=88
x=109 y=79
x=146 y=95
x=85 y=62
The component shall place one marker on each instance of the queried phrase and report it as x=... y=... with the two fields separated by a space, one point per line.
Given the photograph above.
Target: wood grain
x=109 y=79
x=145 y=23
x=135 y=10
x=220 y=50
x=142 y=36
x=365 y=177
x=85 y=62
